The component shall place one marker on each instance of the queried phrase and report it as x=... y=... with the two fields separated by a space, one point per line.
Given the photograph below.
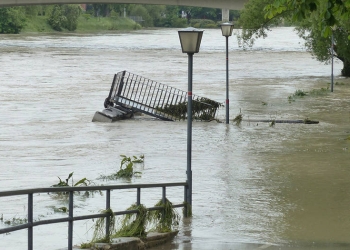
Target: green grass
x=37 y=24
x=95 y=24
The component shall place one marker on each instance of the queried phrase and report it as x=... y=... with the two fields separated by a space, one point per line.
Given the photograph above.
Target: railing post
x=164 y=194
x=108 y=206
x=30 y=221
x=163 y=200
x=185 y=201
x=70 y=222
x=120 y=86
x=138 y=201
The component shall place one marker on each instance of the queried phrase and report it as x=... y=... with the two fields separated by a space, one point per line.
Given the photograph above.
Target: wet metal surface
x=286 y=185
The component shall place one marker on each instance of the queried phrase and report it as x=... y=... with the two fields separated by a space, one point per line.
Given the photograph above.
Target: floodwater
x=282 y=185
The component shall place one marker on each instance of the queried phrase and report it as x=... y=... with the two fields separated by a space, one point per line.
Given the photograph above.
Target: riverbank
x=90 y=24
x=86 y=24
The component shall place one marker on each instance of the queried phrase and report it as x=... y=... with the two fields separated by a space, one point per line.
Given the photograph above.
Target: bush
x=72 y=13
x=57 y=19
x=141 y=11
x=203 y=23
x=64 y=17
x=12 y=20
x=179 y=23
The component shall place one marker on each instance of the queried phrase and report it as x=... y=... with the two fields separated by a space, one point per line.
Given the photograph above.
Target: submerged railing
x=156 y=99
x=71 y=218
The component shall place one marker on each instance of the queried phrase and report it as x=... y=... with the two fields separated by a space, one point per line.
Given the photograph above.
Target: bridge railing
x=156 y=99
x=71 y=218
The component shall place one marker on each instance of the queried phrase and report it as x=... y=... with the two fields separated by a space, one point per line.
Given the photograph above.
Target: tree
x=57 y=19
x=140 y=10
x=64 y=17
x=253 y=22
x=330 y=12
x=311 y=24
x=320 y=45
x=12 y=20
x=157 y=13
x=72 y=13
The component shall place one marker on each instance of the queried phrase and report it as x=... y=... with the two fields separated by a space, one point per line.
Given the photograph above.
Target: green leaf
x=70 y=176
x=327 y=31
x=82 y=181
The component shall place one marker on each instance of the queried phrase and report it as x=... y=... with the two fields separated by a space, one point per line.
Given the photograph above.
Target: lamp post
x=190 y=39
x=226 y=29
x=332 y=51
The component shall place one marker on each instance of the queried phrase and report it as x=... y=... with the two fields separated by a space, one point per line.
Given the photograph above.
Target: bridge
x=225 y=5
x=222 y=4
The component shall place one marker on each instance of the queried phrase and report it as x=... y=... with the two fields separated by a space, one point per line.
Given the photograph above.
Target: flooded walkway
x=253 y=185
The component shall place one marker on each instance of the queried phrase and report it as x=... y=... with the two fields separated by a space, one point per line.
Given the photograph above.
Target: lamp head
x=190 y=39
x=226 y=29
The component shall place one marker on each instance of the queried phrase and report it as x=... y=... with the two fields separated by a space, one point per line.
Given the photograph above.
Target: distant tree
x=71 y=13
x=12 y=20
x=57 y=19
x=234 y=15
x=32 y=10
x=141 y=11
x=156 y=12
x=101 y=9
x=64 y=17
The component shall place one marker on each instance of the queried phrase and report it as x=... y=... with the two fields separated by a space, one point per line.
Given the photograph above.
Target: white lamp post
x=190 y=39
x=226 y=29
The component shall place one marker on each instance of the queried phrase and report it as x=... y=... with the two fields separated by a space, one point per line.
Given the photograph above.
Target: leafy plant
x=165 y=220
x=319 y=92
x=202 y=109
x=99 y=235
x=15 y=221
x=238 y=119
x=300 y=93
x=126 y=168
x=81 y=182
x=134 y=225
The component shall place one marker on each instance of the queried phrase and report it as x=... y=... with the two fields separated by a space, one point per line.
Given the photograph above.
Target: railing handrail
x=87 y=188
x=71 y=218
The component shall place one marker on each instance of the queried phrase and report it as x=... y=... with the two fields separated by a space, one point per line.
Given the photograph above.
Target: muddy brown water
x=281 y=185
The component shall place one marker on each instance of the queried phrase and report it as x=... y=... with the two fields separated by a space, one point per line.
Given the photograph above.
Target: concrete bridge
x=221 y=4
x=225 y=5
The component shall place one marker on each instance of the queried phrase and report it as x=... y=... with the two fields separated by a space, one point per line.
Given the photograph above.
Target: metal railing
x=71 y=218
x=156 y=99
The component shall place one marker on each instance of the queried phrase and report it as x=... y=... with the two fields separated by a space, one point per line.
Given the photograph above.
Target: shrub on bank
x=203 y=23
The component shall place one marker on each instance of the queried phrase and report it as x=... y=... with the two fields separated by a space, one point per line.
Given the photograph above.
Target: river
x=286 y=184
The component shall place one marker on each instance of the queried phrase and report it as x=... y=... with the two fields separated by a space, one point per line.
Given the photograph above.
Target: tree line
x=65 y=16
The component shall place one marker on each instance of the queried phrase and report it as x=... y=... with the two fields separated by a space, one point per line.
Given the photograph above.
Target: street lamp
x=226 y=29
x=332 y=51
x=190 y=39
